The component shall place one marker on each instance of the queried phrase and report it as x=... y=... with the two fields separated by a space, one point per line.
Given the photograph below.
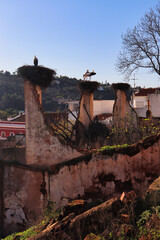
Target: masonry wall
x=22 y=200
x=14 y=154
x=42 y=147
x=91 y=177
x=67 y=173
x=105 y=176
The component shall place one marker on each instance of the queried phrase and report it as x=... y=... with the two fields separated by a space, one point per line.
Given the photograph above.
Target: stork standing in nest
x=35 y=61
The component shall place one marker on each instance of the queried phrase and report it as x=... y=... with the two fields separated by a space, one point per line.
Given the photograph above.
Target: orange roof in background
x=146 y=91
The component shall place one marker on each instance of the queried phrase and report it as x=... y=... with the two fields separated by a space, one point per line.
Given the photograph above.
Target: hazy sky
x=70 y=36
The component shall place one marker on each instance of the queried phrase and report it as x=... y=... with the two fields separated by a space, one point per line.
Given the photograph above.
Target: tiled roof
x=19 y=118
x=146 y=91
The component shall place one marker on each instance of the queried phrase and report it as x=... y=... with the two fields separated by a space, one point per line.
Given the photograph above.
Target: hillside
x=54 y=98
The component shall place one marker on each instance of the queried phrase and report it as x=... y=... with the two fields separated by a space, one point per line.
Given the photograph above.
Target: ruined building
x=48 y=168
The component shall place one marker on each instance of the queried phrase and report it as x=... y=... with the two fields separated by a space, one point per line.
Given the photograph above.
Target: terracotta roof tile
x=146 y=91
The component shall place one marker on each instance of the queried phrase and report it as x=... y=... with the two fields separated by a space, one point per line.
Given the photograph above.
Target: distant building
x=52 y=115
x=8 y=128
x=100 y=107
x=19 y=118
x=147 y=99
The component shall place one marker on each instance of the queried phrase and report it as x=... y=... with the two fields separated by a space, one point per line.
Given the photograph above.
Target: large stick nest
x=88 y=86
x=37 y=75
x=121 y=86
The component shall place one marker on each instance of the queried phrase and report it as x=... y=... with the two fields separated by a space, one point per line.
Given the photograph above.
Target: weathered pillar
x=42 y=144
x=35 y=78
x=87 y=89
x=122 y=108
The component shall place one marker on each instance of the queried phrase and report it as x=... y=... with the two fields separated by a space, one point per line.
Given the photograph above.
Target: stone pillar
x=42 y=145
x=122 y=108
x=34 y=121
x=86 y=109
x=87 y=89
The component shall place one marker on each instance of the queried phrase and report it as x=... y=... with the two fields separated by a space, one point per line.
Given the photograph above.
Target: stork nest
x=121 y=86
x=88 y=86
x=37 y=75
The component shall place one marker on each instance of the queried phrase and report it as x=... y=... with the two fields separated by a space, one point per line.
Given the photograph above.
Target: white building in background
x=144 y=99
x=73 y=106
x=147 y=98
x=102 y=106
x=99 y=107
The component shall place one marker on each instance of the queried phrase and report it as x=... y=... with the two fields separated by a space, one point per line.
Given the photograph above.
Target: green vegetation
x=110 y=148
x=145 y=227
x=51 y=212
x=30 y=232
x=8 y=112
x=63 y=89
x=54 y=97
x=148 y=226
x=11 y=94
x=126 y=133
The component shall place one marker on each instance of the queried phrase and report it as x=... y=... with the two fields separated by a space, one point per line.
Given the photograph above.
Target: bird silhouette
x=35 y=61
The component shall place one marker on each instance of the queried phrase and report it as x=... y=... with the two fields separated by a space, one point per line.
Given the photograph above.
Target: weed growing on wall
x=109 y=148
x=30 y=232
x=51 y=212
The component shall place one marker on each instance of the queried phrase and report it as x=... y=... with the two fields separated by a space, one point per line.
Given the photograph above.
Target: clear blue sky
x=70 y=36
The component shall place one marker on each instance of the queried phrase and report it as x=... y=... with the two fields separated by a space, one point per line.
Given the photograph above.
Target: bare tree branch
x=141 y=45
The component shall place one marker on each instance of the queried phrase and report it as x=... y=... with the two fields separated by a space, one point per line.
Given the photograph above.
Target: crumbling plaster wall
x=94 y=176
x=13 y=154
x=106 y=175
x=90 y=176
x=42 y=148
x=22 y=198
